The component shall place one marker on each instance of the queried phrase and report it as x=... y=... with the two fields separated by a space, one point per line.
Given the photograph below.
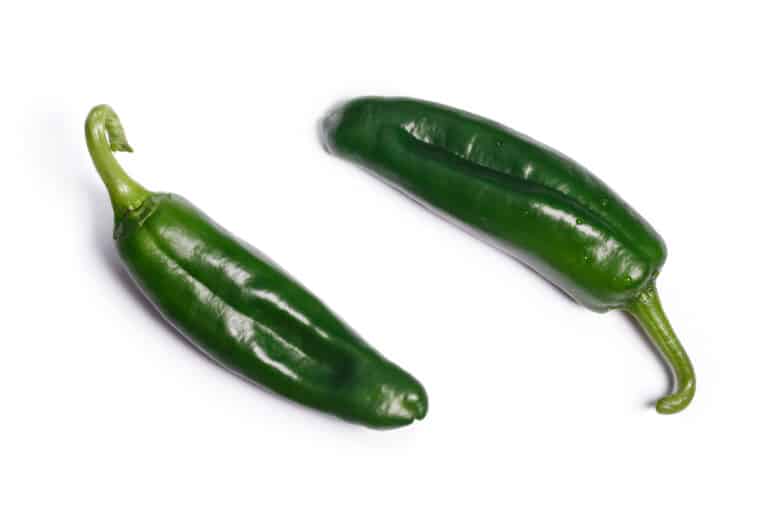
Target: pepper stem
x=104 y=134
x=647 y=311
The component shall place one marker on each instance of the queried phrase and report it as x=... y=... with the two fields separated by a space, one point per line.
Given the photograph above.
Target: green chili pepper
x=535 y=203
x=239 y=308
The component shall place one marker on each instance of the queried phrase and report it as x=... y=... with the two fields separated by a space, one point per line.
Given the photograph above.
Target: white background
x=535 y=402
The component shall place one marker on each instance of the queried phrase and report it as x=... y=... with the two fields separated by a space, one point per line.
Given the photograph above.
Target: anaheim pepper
x=240 y=308
x=537 y=204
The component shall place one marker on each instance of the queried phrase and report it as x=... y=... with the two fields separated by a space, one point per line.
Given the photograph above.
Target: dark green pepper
x=239 y=308
x=540 y=206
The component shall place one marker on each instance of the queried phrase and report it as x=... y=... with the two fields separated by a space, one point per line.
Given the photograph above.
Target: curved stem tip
x=104 y=134
x=647 y=310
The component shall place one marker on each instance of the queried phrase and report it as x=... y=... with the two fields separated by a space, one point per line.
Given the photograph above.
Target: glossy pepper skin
x=535 y=203
x=241 y=309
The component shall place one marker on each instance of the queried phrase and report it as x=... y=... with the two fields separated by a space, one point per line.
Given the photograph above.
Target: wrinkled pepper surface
x=537 y=204
x=241 y=309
